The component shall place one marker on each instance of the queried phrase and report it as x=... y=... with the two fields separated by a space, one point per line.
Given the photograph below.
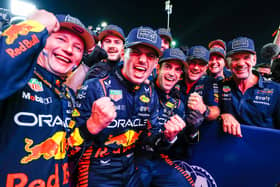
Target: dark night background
x=192 y=22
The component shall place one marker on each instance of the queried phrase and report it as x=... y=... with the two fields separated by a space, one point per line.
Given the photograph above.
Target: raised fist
x=173 y=126
x=103 y=112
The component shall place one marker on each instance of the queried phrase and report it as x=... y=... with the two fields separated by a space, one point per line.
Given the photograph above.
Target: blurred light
x=22 y=8
x=173 y=44
x=104 y=24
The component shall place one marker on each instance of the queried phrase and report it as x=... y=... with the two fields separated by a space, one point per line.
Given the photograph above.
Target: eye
x=135 y=52
x=151 y=55
x=118 y=42
x=78 y=48
x=107 y=41
x=167 y=66
x=61 y=38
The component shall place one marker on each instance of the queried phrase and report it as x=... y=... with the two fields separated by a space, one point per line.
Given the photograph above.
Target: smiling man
x=247 y=98
x=216 y=67
x=200 y=90
x=123 y=109
x=153 y=166
x=35 y=105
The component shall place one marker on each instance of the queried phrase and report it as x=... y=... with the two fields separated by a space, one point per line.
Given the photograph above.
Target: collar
x=129 y=85
x=261 y=79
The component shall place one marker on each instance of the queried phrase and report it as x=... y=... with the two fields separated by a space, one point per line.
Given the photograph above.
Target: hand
x=95 y=56
x=195 y=102
x=46 y=18
x=102 y=114
x=173 y=126
x=231 y=125
x=194 y=119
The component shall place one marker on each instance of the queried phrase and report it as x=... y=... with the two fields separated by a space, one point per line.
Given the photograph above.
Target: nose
x=172 y=72
x=68 y=49
x=143 y=58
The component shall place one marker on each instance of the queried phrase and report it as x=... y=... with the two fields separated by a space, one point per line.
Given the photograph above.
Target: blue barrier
x=223 y=160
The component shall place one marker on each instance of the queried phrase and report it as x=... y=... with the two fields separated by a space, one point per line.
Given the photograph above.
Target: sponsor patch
x=226 y=89
x=169 y=104
x=35 y=85
x=115 y=95
x=144 y=99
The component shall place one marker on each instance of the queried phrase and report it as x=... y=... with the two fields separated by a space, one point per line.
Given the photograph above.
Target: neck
x=244 y=84
x=220 y=74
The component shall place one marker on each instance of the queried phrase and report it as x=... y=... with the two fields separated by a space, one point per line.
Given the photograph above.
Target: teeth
x=170 y=79
x=140 y=68
x=62 y=58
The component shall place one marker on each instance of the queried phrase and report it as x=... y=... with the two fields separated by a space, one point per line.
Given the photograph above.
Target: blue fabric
x=220 y=159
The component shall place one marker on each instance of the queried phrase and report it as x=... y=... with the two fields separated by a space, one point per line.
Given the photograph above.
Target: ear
x=254 y=59
x=157 y=68
x=122 y=53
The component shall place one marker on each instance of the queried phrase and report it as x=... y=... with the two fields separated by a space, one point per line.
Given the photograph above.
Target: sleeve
x=211 y=93
x=20 y=45
x=154 y=137
x=89 y=92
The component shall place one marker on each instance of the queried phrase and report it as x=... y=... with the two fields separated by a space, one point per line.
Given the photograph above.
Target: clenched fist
x=195 y=102
x=103 y=112
x=173 y=126
x=46 y=18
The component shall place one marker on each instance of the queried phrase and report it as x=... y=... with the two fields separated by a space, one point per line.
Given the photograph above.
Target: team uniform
x=207 y=87
x=154 y=165
x=258 y=106
x=111 y=154
x=35 y=110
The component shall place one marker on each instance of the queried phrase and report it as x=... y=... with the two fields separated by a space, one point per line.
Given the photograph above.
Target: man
x=101 y=60
x=246 y=97
x=35 y=105
x=216 y=67
x=201 y=90
x=166 y=38
x=155 y=168
x=123 y=110
x=264 y=69
x=112 y=42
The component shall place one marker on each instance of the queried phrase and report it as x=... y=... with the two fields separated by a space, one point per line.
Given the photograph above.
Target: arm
x=77 y=78
x=20 y=46
x=196 y=103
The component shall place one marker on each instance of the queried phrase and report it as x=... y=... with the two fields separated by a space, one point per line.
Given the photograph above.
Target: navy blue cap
x=217 y=50
x=198 y=52
x=111 y=30
x=164 y=32
x=76 y=26
x=145 y=36
x=173 y=54
x=240 y=44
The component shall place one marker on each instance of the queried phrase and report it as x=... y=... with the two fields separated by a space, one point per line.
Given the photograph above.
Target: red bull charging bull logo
x=126 y=139
x=23 y=28
x=54 y=146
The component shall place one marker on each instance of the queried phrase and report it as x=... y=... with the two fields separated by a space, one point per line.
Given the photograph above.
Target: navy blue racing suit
x=35 y=109
x=154 y=165
x=110 y=158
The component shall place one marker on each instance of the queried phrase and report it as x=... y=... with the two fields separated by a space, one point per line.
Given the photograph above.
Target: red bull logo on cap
x=54 y=146
x=22 y=28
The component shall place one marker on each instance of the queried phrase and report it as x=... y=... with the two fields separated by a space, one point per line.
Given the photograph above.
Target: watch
x=207 y=112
